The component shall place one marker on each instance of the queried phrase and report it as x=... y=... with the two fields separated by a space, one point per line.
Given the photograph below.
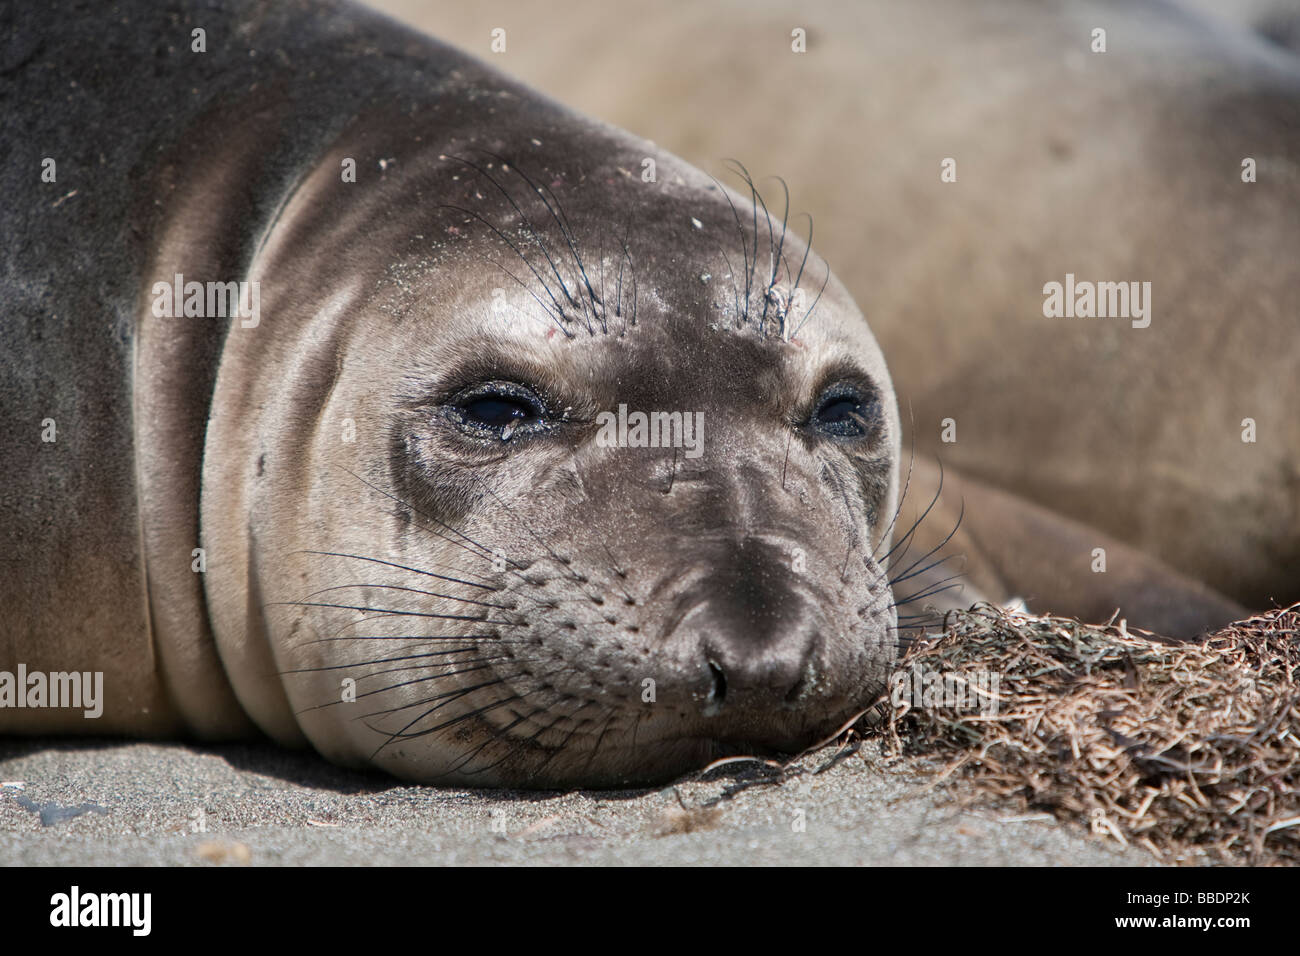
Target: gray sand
x=274 y=807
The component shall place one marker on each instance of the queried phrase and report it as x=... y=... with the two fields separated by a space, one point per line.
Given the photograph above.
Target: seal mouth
x=634 y=749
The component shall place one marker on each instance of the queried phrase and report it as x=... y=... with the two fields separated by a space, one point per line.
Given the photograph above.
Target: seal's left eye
x=497 y=410
x=842 y=411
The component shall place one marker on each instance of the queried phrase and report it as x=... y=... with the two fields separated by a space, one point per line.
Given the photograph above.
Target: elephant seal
x=370 y=400
x=398 y=410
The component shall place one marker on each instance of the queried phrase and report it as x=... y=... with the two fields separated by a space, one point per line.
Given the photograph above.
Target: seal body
x=401 y=414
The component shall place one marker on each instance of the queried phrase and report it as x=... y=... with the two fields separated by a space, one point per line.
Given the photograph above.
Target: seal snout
x=749 y=672
x=753 y=638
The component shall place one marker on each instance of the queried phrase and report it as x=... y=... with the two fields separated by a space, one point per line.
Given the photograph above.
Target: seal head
x=580 y=486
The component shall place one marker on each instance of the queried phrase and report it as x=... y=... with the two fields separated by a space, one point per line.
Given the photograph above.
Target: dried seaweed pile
x=1175 y=747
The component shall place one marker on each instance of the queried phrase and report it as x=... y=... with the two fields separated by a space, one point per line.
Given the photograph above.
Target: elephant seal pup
x=400 y=411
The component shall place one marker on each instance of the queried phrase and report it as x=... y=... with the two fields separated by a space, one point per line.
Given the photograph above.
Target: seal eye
x=844 y=412
x=497 y=410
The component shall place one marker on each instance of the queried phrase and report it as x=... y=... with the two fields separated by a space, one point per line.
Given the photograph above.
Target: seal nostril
x=797 y=692
x=719 y=692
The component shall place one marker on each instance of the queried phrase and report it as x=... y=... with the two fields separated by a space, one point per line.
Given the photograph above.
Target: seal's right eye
x=495 y=412
x=498 y=410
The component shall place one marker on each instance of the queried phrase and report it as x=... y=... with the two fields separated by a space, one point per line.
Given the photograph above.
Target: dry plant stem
x=1176 y=747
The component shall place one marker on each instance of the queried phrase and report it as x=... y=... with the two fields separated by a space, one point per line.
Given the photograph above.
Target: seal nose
x=748 y=673
x=755 y=635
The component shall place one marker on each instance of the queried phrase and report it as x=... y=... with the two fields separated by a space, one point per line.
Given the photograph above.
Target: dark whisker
x=591 y=758
x=915 y=524
x=403 y=735
x=495 y=738
x=398 y=660
x=556 y=320
x=482 y=552
x=565 y=231
x=398 y=587
x=389 y=612
x=411 y=637
x=808 y=314
x=907 y=484
x=744 y=250
x=404 y=567
x=532 y=230
x=785 y=464
x=559 y=309
x=445 y=697
x=933 y=564
x=948 y=537
x=577 y=578
x=931 y=590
